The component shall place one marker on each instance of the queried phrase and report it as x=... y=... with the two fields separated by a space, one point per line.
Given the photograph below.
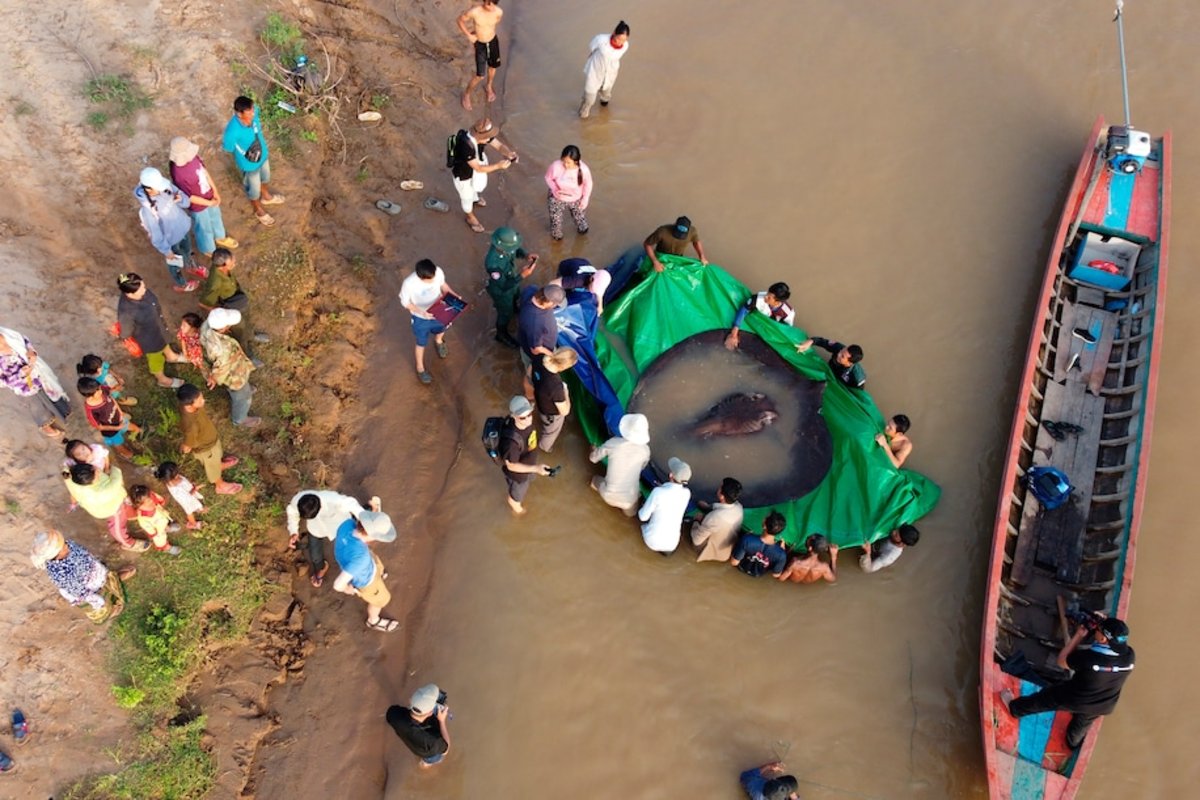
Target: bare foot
x=491 y=95
x=516 y=507
x=466 y=101
x=1006 y=697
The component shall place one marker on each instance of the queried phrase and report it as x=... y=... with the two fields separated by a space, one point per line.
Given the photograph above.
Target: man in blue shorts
x=419 y=292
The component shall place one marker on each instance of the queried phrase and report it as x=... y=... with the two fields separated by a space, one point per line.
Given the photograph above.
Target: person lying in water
x=772 y=302
x=894 y=440
x=811 y=567
x=844 y=360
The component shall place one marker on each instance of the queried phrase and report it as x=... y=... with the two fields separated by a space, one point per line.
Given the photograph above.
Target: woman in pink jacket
x=570 y=183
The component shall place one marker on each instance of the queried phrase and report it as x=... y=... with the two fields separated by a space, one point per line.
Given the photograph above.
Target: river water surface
x=902 y=166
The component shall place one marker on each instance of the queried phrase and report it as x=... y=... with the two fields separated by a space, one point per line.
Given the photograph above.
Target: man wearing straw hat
x=79 y=575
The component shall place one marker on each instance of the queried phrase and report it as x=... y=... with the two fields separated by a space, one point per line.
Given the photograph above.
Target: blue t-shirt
x=536 y=327
x=238 y=139
x=754 y=557
x=753 y=783
x=353 y=555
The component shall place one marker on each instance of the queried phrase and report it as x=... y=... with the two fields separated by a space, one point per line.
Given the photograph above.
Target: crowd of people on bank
x=214 y=345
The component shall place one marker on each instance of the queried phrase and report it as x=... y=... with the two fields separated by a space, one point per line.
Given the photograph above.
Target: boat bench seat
x=1054 y=539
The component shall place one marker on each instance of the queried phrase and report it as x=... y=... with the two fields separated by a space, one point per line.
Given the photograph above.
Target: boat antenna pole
x=1121 y=45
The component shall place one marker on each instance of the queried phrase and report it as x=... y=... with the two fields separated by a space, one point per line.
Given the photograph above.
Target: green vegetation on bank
x=114 y=97
x=182 y=610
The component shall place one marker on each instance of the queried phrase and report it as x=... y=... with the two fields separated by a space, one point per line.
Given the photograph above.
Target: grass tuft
x=117 y=98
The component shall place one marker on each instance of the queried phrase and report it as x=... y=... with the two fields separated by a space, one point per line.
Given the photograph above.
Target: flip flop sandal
x=388 y=207
x=409 y=186
x=425 y=378
x=441 y=348
x=370 y=116
x=276 y=200
x=433 y=204
x=229 y=488
x=7 y=765
x=383 y=625
x=266 y=219
x=317 y=580
x=229 y=461
x=476 y=226
x=20 y=727
x=481 y=203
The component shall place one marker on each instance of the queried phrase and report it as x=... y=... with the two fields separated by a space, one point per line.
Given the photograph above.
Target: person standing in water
x=894 y=440
x=600 y=71
x=482 y=34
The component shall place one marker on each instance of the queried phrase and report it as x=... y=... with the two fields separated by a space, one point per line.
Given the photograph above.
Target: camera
x=1088 y=619
x=441 y=698
x=554 y=471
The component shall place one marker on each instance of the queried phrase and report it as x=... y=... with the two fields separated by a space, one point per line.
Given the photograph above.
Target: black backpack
x=493 y=428
x=456 y=145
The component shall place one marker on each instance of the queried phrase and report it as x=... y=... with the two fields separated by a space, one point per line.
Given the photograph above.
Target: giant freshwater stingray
x=770 y=435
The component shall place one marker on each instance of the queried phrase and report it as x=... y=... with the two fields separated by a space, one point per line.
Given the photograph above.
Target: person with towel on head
x=627 y=454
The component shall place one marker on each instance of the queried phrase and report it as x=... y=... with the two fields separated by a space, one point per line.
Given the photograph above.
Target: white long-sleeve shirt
x=662 y=516
x=603 y=63
x=626 y=460
x=335 y=509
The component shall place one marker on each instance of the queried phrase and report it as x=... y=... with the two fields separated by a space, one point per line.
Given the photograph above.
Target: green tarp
x=862 y=498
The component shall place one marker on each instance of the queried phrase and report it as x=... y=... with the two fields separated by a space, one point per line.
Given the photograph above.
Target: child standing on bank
x=93 y=366
x=152 y=517
x=106 y=416
x=183 y=491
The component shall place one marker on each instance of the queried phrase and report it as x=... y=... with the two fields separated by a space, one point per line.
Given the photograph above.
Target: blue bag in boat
x=1049 y=485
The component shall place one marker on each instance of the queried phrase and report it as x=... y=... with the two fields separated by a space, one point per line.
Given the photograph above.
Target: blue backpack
x=1049 y=485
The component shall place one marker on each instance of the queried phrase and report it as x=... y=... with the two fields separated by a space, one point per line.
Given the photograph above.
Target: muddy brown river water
x=901 y=165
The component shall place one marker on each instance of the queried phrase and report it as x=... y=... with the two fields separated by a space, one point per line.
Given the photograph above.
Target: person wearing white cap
x=662 y=513
x=362 y=572
x=422 y=726
x=627 y=454
x=79 y=575
x=323 y=512
x=161 y=210
x=231 y=367
x=518 y=449
x=193 y=179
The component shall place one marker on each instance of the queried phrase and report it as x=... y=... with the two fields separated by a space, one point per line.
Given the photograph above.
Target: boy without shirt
x=482 y=34
x=810 y=567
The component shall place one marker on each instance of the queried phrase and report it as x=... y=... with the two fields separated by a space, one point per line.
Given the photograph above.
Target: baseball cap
x=519 y=406
x=153 y=179
x=378 y=526
x=682 y=226
x=425 y=699
x=680 y=469
x=1115 y=629
x=221 y=318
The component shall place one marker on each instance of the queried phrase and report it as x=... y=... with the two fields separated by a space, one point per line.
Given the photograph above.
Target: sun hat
x=560 y=359
x=378 y=526
x=425 y=699
x=519 y=406
x=680 y=469
x=153 y=179
x=46 y=545
x=634 y=428
x=183 y=150
x=221 y=318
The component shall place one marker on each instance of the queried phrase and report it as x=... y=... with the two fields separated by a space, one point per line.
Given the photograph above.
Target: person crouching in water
x=811 y=567
x=627 y=454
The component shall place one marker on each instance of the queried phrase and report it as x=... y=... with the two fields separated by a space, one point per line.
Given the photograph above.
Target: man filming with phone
x=422 y=726
x=1099 y=671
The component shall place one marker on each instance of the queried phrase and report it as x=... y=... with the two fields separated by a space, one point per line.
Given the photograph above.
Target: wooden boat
x=1092 y=362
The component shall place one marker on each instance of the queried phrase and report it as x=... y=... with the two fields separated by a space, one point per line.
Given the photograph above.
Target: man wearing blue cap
x=1099 y=671
x=673 y=240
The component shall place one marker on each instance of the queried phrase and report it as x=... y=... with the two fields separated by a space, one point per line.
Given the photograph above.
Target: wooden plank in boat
x=1055 y=538
x=1092 y=361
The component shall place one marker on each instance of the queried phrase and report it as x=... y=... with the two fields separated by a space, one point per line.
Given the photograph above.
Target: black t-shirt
x=1096 y=684
x=465 y=151
x=548 y=390
x=423 y=738
x=518 y=447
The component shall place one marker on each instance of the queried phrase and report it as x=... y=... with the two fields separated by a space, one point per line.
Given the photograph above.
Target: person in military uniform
x=504 y=278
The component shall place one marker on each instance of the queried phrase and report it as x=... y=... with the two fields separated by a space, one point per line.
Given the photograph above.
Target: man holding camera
x=518 y=448
x=1099 y=671
x=422 y=726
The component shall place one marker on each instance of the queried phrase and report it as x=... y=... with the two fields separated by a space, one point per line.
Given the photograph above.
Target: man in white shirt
x=887 y=551
x=662 y=513
x=323 y=512
x=717 y=529
x=419 y=292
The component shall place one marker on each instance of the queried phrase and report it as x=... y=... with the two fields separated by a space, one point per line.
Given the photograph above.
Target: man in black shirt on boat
x=843 y=360
x=1099 y=671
